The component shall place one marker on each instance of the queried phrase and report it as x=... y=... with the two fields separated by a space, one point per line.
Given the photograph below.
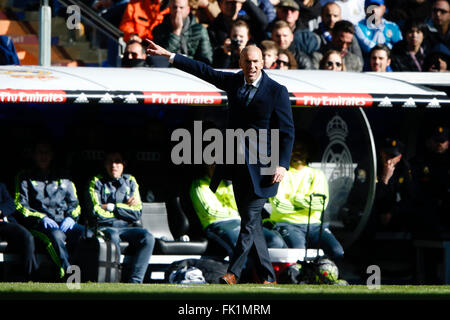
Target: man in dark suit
x=256 y=102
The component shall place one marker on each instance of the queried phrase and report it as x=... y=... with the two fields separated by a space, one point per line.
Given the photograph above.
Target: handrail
x=94 y=19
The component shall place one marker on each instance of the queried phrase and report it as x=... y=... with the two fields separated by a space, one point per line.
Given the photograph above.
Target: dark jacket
x=401 y=60
x=220 y=28
x=8 y=53
x=303 y=60
x=104 y=190
x=52 y=195
x=397 y=197
x=193 y=41
x=270 y=108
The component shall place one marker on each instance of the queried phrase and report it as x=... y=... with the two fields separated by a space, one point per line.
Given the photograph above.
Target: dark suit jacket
x=270 y=108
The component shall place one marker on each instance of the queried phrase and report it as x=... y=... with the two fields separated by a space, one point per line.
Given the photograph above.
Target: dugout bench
x=168 y=248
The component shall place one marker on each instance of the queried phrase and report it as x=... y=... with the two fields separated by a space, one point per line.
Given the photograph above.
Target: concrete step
x=82 y=51
x=29 y=54
x=11 y=27
x=73 y=42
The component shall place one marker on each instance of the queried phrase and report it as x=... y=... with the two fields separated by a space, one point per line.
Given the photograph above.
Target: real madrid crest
x=338 y=165
x=389 y=33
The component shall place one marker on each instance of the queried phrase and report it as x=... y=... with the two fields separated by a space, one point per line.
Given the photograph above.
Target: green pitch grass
x=153 y=292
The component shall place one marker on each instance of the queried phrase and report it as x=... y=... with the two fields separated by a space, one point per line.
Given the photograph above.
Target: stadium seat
x=155 y=219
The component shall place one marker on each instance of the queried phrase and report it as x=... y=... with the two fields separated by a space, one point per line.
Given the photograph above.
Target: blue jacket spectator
x=8 y=54
x=269 y=10
x=374 y=29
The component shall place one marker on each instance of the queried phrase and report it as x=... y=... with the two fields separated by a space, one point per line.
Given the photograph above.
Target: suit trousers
x=251 y=244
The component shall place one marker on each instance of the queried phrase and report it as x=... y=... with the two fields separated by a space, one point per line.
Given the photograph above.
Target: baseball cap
x=289 y=4
x=373 y=2
x=392 y=147
x=439 y=134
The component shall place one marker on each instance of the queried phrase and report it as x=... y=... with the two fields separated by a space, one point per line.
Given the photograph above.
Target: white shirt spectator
x=351 y=10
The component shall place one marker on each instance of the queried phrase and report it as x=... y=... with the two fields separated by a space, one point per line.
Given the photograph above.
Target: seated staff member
x=290 y=207
x=116 y=202
x=48 y=204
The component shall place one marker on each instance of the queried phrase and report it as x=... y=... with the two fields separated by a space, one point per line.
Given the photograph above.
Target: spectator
x=268 y=8
x=288 y=11
x=228 y=56
x=219 y=29
x=400 y=11
x=409 y=54
x=332 y=60
x=438 y=60
x=331 y=13
x=116 y=203
x=342 y=39
x=179 y=32
x=19 y=238
x=309 y=14
x=111 y=10
x=286 y=60
x=141 y=17
x=430 y=171
x=47 y=200
x=374 y=29
x=352 y=10
x=440 y=23
x=270 y=54
x=134 y=55
x=380 y=58
x=291 y=205
x=8 y=53
x=205 y=10
x=284 y=38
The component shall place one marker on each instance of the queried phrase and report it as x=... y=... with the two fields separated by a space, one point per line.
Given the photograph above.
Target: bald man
x=255 y=102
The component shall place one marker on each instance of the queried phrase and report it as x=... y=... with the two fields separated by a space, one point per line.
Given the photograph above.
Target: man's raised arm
x=155 y=50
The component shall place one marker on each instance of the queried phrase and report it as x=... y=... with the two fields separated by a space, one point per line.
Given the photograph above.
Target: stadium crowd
x=370 y=35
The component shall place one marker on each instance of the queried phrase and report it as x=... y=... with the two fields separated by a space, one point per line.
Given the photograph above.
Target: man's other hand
x=279 y=174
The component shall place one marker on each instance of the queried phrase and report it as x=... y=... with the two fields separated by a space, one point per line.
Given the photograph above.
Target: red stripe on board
x=333 y=99
x=32 y=96
x=183 y=97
